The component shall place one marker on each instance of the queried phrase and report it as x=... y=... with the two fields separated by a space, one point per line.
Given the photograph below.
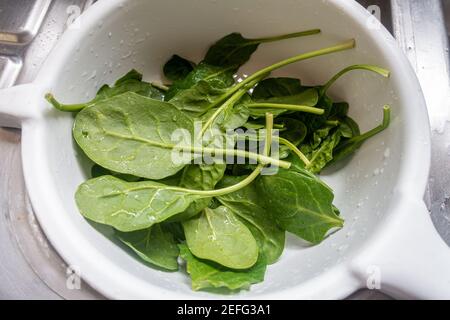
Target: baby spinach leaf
x=299 y=203
x=349 y=128
x=295 y=131
x=216 y=77
x=339 y=110
x=246 y=205
x=177 y=68
x=307 y=98
x=277 y=87
x=98 y=171
x=199 y=177
x=131 y=134
x=349 y=146
x=198 y=99
x=235 y=50
x=207 y=274
x=131 y=82
x=321 y=134
x=232 y=117
x=154 y=245
x=324 y=153
x=176 y=229
x=313 y=121
x=129 y=206
x=217 y=235
x=264 y=72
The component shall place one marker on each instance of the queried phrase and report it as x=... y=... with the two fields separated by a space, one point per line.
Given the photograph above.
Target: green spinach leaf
x=206 y=274
x=349 y=146
x=98 y=171
x=306 y=98
x=154 y=245
x=129 y=206
x=177 y=68
x=277 y=87
x=294 y=130
x=216 y=77
x=199 y=177
x=217 y=235
x=299 y=203
x=235 y=50
x=321 y=156
x=197 y=99
x=246 y=205
x=131 y=134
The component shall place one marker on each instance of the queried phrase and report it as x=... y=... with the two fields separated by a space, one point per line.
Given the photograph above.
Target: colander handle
x=18 y=104
x=407 y=259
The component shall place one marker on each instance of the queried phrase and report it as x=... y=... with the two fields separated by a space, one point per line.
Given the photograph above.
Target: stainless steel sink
x=30 y=268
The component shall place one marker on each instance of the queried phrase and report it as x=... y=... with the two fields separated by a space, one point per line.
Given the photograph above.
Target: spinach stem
x=213 y=151
x=383 y=126
x=292 y=107
x=65 y=107
x=159 y=86
x=369 y=134
x=337 y=48
x=229 y=104
x=294 y=149
x=383 y=72
x=242 y=184
x=332 y=123
x=284 y=36
x=237 y=153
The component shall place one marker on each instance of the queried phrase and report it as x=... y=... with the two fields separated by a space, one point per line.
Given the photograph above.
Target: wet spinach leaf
x=235 y=50
x=155 y=245
x=130 y=206
x=277 y=87
x=197 y=99
x=323 y=154
x=98 y=171
x=218 y=235
x=246 y=205
x=177 y=68
x=199 y=177
x=306 y=98
x=294 y=130
x=216 y=77
x=131 y=134
x=299 y=203
x=206 y=274
x=349 y=146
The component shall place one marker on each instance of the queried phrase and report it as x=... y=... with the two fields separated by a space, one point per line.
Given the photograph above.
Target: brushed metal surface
x=20 y=20
x=9 y=70
x=31 y=269
x=420 y=30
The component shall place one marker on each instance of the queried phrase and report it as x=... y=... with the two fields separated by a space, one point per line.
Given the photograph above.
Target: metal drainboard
x=30 y=268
